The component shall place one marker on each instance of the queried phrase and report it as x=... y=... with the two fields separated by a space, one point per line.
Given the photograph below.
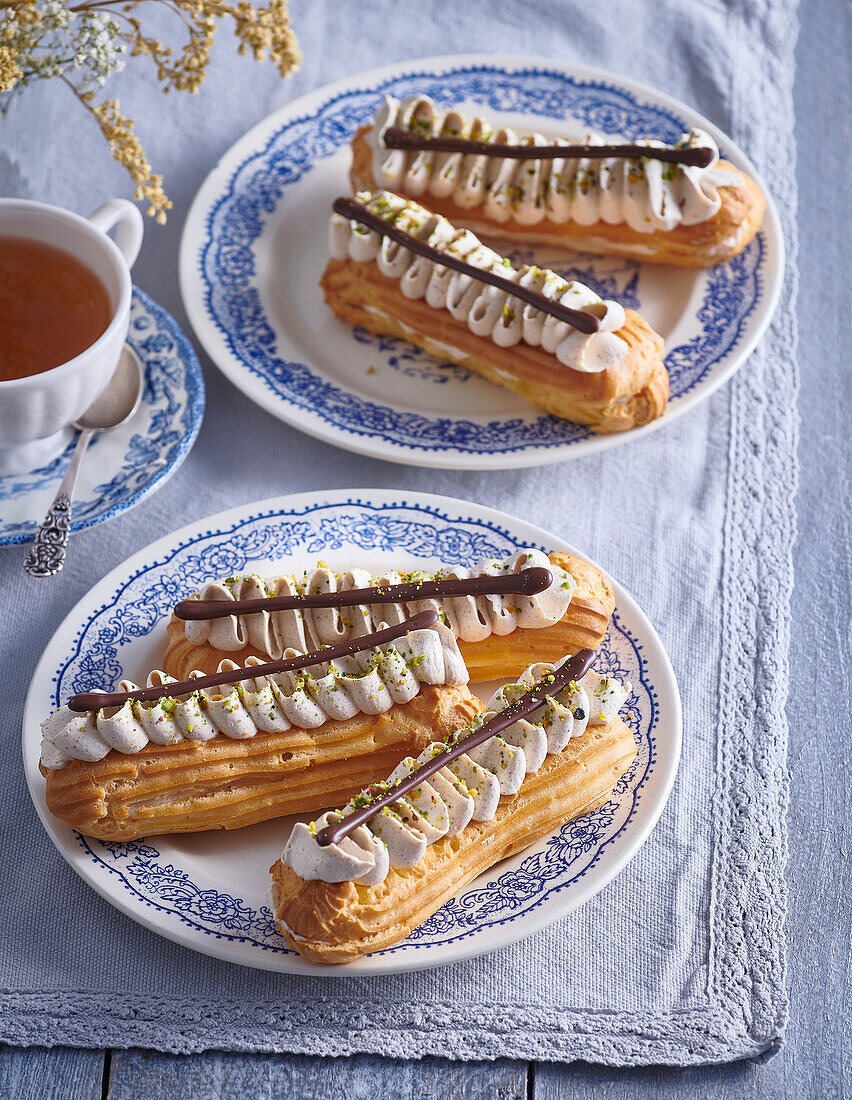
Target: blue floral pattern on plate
x=158 y=438
x=141 y=604
x=235 y=221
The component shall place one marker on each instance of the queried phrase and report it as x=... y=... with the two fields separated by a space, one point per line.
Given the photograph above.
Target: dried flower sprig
x=84 y=42
x=10 y=70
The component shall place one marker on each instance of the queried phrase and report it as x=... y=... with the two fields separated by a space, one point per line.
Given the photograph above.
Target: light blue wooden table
x=816 y=1059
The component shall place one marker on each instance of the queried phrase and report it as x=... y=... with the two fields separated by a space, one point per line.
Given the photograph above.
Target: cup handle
x=127 y=221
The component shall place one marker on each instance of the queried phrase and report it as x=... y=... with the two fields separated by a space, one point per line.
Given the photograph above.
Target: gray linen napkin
x=681 y=958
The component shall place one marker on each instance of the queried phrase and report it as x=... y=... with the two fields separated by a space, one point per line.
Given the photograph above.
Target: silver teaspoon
x=114 y=407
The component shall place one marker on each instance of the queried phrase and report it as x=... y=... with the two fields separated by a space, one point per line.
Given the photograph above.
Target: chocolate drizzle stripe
x=95 y=700
x=578 y=319
x=695 y=156
x=526 y=582
x=573 y=669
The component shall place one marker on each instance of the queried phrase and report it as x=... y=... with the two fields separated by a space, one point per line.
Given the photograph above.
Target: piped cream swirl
x=467 y=789
x=471 y=618
x=487 y=310
x=648 y=195
x=370 y=682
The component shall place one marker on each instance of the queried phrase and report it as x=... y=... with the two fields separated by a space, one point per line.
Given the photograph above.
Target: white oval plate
x=125 y=466
x=254 y=247
x=208 y=890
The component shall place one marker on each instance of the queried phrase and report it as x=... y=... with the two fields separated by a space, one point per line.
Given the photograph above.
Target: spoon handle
x=47 y=553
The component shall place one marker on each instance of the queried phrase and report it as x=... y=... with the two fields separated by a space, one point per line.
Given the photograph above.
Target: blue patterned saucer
x=123 y=466
x=208 y=891
x=254 y=248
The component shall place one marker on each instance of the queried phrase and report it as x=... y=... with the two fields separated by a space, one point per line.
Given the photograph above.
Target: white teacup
x=36 y=412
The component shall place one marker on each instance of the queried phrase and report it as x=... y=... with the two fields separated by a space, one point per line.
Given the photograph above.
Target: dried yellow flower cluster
x=259 y=30
x=262 y=29
x=10 y=70
x=186 y=73
x=127 y=150
x=84 y=42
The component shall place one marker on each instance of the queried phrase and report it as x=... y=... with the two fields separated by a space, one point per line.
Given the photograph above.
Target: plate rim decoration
x=192 y=390
x=445 y=449
x=244 y=935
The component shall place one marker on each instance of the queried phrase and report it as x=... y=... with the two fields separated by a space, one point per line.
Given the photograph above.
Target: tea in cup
x=65 y=293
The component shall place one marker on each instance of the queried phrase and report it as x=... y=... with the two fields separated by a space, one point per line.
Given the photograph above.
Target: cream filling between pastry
x=370 y=682
x=471 y=618
x=648 y=195
x=467 y=789
x=487 y=310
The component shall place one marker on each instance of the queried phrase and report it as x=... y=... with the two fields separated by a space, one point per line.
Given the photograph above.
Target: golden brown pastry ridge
x=705 y=244
x=339 y=922
x=582 y=627
x=226 y=784
x=631 y=392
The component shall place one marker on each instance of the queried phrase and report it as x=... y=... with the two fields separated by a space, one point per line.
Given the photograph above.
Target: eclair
x=399 y=269
x=690 y=214
x=498 y=636
x=335 y=902
x=262 y=747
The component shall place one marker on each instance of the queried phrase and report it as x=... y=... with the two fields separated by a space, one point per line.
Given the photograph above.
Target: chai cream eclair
x=360 y=879
x=498 y=635
x=189 y=756
x=688 y=207
x=398 y=269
